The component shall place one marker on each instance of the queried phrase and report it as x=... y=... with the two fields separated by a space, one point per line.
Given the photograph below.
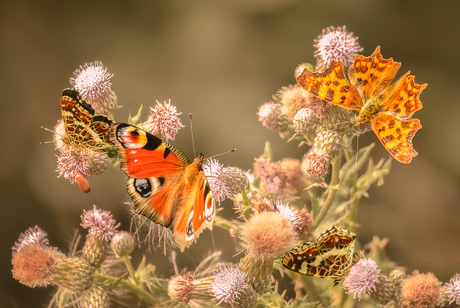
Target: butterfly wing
x=372 y=75
x=196 y=209
x=84 y=130
x=396 y=135
x=331 y=86
x=302 y=258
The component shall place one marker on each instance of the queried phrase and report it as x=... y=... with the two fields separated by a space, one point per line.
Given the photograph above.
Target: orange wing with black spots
x=163 y=184
x=372 y=75
x=330 y=85
x=396 y=136
x=389 y=107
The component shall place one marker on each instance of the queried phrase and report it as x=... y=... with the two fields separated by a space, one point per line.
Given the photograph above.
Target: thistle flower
x=336 y=44
x=288 y=212
x=291 y=167
x=453 y=289
x=305 y=121
x=315 y=165
x=294 y=98
x=34 y=264
x=266 y=236
x=34 y=236
x=420 y=290
x=74 y=274
x=72 y=163
x=271 y=174
x=225 y=182
x=362 y=278
x=163 y=120
x=230 y=286
x=271 y=116
x=183 y=288
x=93 y=82
x=122 y=244
x=99 y=223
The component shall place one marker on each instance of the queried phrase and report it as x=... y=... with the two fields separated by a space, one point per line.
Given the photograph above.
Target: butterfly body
x=84 y=129
x=163 y=184
x=388 y=107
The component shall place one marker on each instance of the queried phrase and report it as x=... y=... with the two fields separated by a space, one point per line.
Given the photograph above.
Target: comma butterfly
x=164 y=185
x=388 y=107
x=330 y=257
x=85 y=131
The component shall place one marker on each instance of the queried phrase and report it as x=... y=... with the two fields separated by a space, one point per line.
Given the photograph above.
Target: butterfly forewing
x=330 y=85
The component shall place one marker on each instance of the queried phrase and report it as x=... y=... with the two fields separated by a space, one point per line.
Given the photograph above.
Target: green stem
x=310 y=288
x=130 y=268
x=332 y=190
x=136 y=289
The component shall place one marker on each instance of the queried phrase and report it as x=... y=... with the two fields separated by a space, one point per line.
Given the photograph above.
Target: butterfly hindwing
x=163 y=184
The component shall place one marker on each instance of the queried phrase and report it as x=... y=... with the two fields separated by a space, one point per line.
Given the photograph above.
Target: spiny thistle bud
x=420 y=290
x=305 y=121
x=266 y=236
x=230 y=286
x=384 y=290
x=74 y=274
x=95 y=250
x=122 y=244
x=362 y=278
x=338 y=119
x=328 y=142
x=315 y=165
x=225 y=182
x=336 y=44
x=183 y=288
x=99 y=163
x=95 y=297
x=271 y=116
x=163 y=120
x=397 y=276
x=294 y=98
x=93 y=82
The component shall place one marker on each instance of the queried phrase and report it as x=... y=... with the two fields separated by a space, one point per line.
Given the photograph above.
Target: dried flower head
x=163 y=120
x=225 y=182
x=271 y=117
x=289 y=212
x=362 y=278
x=420 y=290
x=34 y=236
x=271 y=174
x=268 y=235
x=34 y=264
x=230 y=286
x=294 y=178
x=179 y=287
x=315 y=165
x=453 y=289
x=93 y=82
x=336 y=44
x=99 y=223
x=294 y=98
x=306 y=222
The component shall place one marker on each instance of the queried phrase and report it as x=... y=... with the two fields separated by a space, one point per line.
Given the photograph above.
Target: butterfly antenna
x=48 y=130
x=193 y=139
x=223 y=153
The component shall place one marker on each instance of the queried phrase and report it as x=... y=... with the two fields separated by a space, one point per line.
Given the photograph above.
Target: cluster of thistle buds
x=37 y=264
x=328 y=129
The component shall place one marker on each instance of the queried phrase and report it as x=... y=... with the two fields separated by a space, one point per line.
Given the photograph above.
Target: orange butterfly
x=388 y=107
x=163 y=184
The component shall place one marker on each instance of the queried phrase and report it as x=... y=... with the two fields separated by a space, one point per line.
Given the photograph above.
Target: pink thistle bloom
x=32 y=236
x=71 y=163
x=99 y=223
x=336 y=44
x=362 y=278
x=163 y=120
x=225 y=182
x=453 y=289
x=93 y=82
x=289 y=212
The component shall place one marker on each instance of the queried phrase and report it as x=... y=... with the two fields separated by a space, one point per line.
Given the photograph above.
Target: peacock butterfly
x=163 y=184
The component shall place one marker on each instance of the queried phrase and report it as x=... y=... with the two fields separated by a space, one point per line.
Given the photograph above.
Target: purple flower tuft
x=32 y=236
x=362 y=278
x=163 y=120
x=453 y=289
x=100 y=223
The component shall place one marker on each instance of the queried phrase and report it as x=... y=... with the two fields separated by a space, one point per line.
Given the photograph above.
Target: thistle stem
x=332 y=190
x=310 y=288
x=130 y=268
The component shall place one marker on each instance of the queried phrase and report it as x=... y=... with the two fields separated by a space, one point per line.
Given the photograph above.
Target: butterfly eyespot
x=189 y=230
x=143 y=187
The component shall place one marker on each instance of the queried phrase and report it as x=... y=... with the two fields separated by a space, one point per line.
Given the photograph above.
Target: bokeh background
x=220 y=60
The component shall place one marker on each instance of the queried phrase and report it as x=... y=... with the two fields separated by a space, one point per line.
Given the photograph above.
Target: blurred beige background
x=220 y=60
